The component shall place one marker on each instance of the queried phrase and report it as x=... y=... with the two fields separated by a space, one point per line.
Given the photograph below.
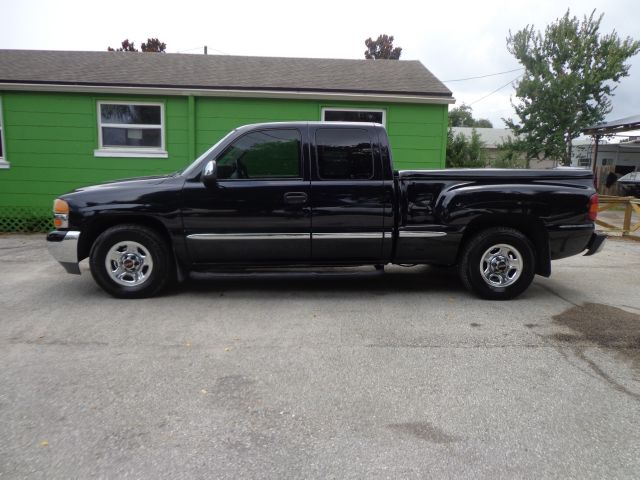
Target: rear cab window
x=344 y=154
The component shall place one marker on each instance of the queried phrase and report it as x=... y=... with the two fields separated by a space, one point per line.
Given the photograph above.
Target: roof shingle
x=172 y=70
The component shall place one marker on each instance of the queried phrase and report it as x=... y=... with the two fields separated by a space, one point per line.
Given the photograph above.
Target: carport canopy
x=607 y=128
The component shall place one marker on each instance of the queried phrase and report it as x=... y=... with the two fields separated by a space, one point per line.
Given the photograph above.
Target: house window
x=3 y=161
x=131 y=130
x=584 y=162
x=353 y=115
x=344 y=154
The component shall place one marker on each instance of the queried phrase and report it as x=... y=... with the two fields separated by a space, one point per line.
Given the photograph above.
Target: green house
x=69 y=119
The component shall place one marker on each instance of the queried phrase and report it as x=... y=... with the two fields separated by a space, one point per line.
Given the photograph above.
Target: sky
x=453 y=39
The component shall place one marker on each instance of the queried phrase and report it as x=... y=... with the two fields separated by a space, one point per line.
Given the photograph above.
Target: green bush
x=463 y=152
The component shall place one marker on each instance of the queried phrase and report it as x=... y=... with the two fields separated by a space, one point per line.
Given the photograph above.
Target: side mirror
x=210 y=174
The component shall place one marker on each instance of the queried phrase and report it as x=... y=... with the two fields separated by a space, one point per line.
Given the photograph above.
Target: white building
x=624 y=157
x=492 y=139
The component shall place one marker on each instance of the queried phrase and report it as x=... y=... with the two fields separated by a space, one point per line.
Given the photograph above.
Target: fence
x=602 y=173
x=630 y=204
x=25 y=219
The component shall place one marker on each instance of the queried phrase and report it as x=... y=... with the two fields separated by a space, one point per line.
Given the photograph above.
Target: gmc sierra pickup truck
x=324 y=194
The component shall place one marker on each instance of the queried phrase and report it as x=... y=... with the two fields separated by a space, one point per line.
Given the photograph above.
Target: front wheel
x=131 y=261
x=497 y=263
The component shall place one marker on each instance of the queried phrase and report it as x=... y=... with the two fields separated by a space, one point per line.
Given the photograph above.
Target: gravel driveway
x=350 y=375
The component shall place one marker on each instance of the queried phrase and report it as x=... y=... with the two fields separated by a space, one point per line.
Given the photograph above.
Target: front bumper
x=63 y=246
x=595 y=243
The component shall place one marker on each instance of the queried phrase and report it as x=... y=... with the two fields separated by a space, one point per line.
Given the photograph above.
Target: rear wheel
x=497 y=263
x=131 y=261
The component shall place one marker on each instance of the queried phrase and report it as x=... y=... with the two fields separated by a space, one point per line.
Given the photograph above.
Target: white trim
x=141 y=126
x=418 y=234
x=348 y=236
x=3 y=157
x=206 y=92
x=249 y=236
x=339 y=109
x=131 y=151
x=117 y=152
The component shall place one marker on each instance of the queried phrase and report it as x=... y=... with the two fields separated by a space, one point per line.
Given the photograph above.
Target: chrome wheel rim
x=501 y=265
x=129 y=263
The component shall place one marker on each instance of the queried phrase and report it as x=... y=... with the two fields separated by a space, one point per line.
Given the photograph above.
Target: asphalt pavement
x=331 y=375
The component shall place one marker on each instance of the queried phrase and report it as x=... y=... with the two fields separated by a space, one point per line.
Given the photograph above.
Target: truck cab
x=313 y=193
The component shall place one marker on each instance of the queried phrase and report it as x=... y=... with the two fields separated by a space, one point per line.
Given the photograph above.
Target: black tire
x=138 y=247
x=501 y=278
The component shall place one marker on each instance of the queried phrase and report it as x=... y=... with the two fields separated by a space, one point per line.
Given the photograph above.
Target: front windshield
x=205 y=155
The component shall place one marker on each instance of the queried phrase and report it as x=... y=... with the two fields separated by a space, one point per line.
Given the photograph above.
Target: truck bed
x=496 y=174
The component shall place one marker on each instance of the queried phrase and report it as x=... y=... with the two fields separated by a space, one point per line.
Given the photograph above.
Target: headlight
x=60 y=213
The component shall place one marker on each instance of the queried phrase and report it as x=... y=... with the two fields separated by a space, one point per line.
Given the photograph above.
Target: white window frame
x=338 y=109
x=139 y=152
x=3 y=158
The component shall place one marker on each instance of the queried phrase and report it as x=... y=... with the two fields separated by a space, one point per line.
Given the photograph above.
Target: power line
x=189 y=50
x=483 y=76
x=220 y=51
x=200 y=48
x=496 y=90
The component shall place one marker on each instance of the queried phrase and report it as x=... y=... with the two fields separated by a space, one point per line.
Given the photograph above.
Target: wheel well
x=531 y=227
x=99 y=225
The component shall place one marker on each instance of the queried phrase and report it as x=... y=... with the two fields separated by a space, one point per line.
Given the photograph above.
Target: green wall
x=50 y=139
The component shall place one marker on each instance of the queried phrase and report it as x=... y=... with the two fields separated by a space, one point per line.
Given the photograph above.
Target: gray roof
x=492 y=137
x=173 y=70
x=621 y=125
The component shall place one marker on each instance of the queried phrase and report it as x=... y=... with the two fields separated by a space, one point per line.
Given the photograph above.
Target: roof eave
x=608 y=130
x=392 y=97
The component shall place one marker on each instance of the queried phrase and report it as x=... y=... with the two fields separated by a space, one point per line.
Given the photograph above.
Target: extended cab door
x=347 y=195
x=258 y=212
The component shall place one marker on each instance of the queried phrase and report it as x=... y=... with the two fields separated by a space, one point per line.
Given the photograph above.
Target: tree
x=512 y=154
x=126 y=47
x=483 y=123
x=152 y=45
x=382 y=48
x=570 y=73
x=463 y=152
x=462 y=116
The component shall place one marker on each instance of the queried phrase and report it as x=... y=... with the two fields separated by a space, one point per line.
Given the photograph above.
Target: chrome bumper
x=596 y=243
x=63 y=246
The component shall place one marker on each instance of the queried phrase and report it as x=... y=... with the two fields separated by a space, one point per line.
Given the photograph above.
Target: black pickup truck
x=324 y=194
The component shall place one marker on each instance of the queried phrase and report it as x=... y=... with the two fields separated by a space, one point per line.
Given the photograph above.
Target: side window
x=262 y=154
x=344 y=154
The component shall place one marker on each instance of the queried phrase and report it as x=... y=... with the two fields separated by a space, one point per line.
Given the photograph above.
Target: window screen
x=266 y=153
x=376 y=116
x=131 y=125
x=344 y=154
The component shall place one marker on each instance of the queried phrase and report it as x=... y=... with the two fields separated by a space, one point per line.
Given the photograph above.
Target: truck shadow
x=351 y=280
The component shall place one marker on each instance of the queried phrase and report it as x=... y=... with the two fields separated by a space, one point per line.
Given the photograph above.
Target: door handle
x=295 y=198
